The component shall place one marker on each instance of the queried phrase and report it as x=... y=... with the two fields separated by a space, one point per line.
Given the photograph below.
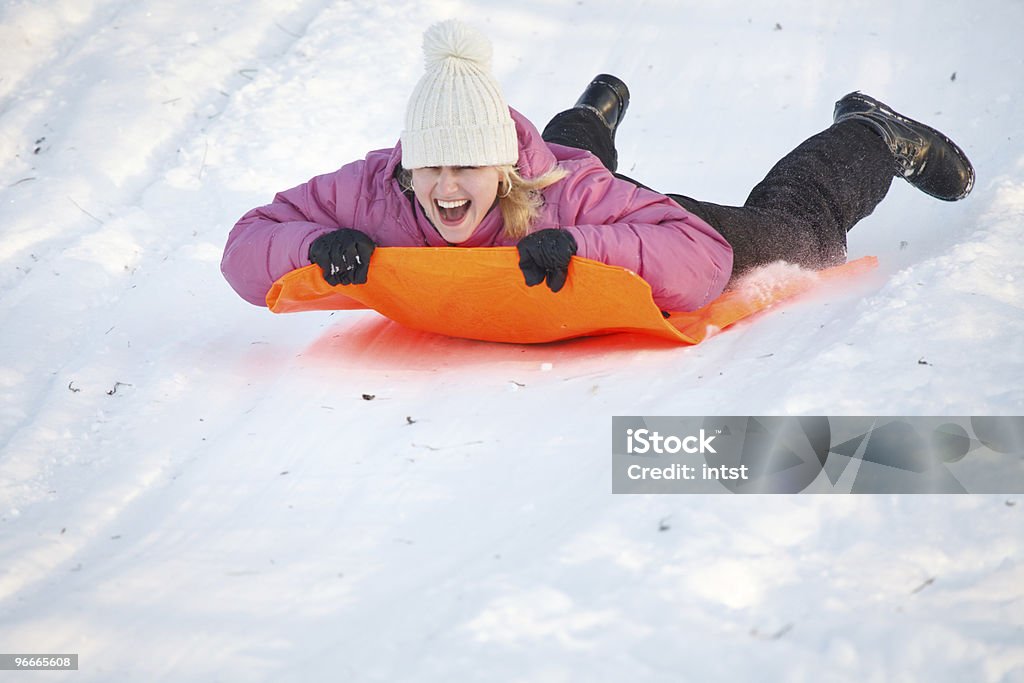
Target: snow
x=192 y=488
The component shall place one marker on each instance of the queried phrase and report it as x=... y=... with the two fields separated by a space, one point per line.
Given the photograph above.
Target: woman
x=470 y=171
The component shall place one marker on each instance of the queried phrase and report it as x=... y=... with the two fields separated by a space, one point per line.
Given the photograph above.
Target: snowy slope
x=194 y=489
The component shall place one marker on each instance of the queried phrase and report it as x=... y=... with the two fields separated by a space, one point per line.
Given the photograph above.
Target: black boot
x=926 y=158
x=590 y=124
x=608 y=97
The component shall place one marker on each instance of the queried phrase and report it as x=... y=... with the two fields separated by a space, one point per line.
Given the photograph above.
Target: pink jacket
x=686 y=262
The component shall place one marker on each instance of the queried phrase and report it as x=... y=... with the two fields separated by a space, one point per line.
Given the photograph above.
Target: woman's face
x=456 y=198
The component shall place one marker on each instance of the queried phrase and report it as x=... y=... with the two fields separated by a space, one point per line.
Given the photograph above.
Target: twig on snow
x=771 y=636
x=292 y=34
x=84 y=211
x=924 y=585
x=116 y=385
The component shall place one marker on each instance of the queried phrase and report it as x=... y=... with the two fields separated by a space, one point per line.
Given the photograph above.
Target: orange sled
x=479 y=293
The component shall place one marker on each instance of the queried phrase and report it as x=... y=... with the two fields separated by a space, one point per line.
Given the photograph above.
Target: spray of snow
x=770 y=281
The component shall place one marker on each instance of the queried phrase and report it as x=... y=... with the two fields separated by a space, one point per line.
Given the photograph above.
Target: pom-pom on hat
x=457 y=115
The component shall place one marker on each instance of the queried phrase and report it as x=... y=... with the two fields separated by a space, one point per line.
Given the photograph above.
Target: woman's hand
x=343 y=256
x=546 y=254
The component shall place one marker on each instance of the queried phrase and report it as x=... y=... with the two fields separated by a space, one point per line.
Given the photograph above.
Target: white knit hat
x=457 y=115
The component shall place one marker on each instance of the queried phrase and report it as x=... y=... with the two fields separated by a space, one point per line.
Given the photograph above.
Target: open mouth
x=452 y=212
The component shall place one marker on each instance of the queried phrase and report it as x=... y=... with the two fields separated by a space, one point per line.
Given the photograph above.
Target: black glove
x=343 y=256
x=546 y=254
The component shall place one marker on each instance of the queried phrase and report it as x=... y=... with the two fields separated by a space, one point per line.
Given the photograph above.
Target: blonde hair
x=519 y=199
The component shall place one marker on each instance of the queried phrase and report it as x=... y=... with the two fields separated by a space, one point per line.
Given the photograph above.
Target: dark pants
x=799 y=213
